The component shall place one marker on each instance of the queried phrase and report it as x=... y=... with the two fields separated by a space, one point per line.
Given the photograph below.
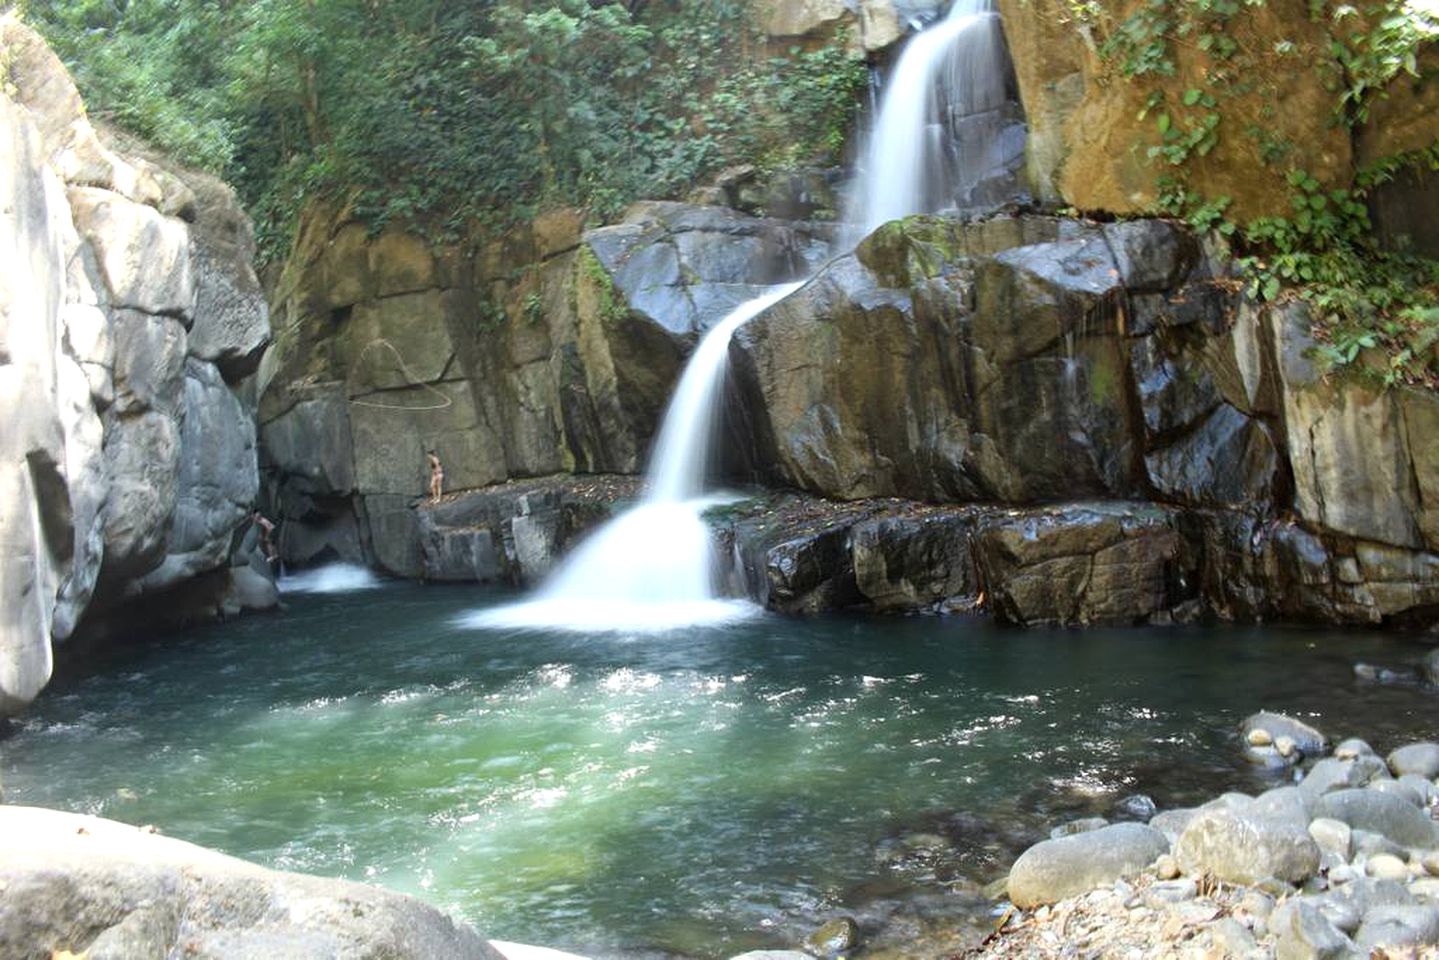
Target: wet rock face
x=514 y=533
x=133 y=460
x=1026 y=359
x=982 y=361
x=554 y=350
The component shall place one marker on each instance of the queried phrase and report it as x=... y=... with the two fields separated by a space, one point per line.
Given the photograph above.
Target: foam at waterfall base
x=335 y=578
x=649 y=569
x=612 y=616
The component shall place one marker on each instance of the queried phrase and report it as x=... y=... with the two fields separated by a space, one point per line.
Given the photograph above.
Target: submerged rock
x=835 y=939
x=1306 y=738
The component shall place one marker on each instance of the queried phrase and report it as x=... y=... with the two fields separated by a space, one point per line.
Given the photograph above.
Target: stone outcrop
x=1024 y=360
x=553 y=350
x=514 y=533
x=871 y=26
x=73 y=885
x=1045 y=421
x=130 y=316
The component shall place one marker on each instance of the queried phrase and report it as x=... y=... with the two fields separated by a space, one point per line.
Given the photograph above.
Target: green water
x=696 y=793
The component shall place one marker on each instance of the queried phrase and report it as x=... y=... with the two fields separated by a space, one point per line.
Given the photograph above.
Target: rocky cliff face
x=1045 y=421
x=129 y=319
x=1028 y=360
x=549 y=351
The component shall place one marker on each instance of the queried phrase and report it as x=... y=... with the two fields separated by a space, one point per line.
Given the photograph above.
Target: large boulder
x=1086 y=563
x=949 y=361
x=1379 y=812
x=513 y=533
x=1055 y=869
x=1362 y=459
x=78 y=885
x=217 y=480
x=1247 y=843
x=36 y=535
x=131 y=462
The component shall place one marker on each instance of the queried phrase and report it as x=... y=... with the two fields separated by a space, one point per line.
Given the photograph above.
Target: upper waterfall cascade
x=941 y=128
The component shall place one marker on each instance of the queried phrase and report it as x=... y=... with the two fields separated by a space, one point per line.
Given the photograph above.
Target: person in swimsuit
x=437 y=477
x=266 y=528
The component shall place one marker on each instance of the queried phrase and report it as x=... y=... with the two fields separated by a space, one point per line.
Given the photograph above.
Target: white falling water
x=953 y=70
x=652 y=567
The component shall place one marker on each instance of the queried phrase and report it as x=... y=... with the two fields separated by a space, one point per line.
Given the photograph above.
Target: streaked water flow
x=912 y=164
x=652 y=567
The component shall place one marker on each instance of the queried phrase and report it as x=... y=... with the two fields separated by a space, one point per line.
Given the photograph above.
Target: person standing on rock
x=266 y=528
x=437 y=477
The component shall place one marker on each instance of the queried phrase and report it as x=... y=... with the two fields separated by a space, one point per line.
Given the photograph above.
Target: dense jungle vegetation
x=450 y=113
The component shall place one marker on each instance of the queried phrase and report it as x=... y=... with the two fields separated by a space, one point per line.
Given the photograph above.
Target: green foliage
x=451 y=115
x=1369 y=304
x=1375 y=46
x=1364 y=298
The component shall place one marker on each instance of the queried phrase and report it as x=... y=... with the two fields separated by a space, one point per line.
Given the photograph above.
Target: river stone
x=1429 y=669
x=1055 y=869
x=1284 y=803
x=1306 y=738
x=1332 y=774
x=1398 y=926
x=1139 y=806
x=835 y=939
x=1301 y=930
x=772 y=955
x=1368 y=843
x=1346 y=905
x=1171 y=823
x=1352 y=748
x=1397 y=819
x=1232 y=938
x=1402 y=790
x=1386 y=866
x=1417 y=758
x=1333 y=836
x=71 y=881
x=1247 y=845
x=1427 y=790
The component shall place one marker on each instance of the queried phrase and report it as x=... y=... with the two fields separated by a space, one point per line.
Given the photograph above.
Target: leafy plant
x=452 y=117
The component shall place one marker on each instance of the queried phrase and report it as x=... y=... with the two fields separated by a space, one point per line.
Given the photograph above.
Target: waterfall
x=950 y=83
x=652 y=567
